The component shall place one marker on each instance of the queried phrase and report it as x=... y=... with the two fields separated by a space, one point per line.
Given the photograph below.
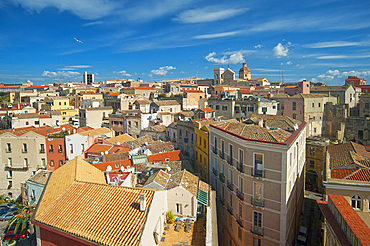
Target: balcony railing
x=230 y=209
x=240 y=194
x=240 y=167
x=230 y=185
x=8 y=150
x=214 y=150
x=42 y=151
x=51 y=150
x=239 y=220
x=215 y=171
x=60 y=150
x=222 y=177
x=230 y=160
x=258 y=230
x=257 y=173
x=256 y=202
x=221 y=154
x=15 y=166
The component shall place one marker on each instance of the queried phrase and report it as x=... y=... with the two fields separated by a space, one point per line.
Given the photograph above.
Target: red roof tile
x=113 y=149
x=171 y=155
x=207 y=110
x=243 y=91
x=102 y=166
x=341 y=173
x=360 y=175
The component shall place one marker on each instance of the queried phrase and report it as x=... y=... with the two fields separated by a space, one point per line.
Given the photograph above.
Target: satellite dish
x=109 y=168
x=118 y=143
x=106 y=152
x=101 y=153
x=63 y=129
x=122 y=169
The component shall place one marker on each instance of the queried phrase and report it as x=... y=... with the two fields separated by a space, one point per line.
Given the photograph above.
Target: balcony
x=51 y=151
x=230 y=185
x=42 y=151
x=222 y=177
x=215 y=172
x=230 y=209
x=239 y=220
x=60 y=151
x=24 y=151
x=258 y=203
x=240 y=167
x=41 y=167
x=240 y=194
x=14 y=166
x=214 y=149
x=221 y=154
x=258 y=230
x=8 y=150
x=257 y=173
x=230 y=160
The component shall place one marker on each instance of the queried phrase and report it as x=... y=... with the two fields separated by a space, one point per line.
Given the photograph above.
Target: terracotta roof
x=30 y=116
x=160 y=177
x=106 y=214
x=102 y=166
x=143 y=101
x=330 y=219
x=340 y=154
x=360 y=175
x=41 y=177
x=94 y=132
x=120 y=139
x=144 y=88
x=207 y=110
x=283 y=122
x=142 y=140
x=329 y=88
x=301 y=95
x=185 y=179
x=171 y=155
x=166 y=102
x=341 y=173
x=291 y=86
x=112 y=149
x=160 y=147
x=244 y=91
x=114 y=94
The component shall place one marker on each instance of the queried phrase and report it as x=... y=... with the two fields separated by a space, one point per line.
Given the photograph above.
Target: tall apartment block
x=257 y=169
x=88 y=78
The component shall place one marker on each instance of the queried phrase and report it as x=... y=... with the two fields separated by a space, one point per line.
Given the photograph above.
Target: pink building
x=355 y=81
x=302 y=87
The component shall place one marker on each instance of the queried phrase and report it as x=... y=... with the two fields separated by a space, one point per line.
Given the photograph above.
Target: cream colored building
x=257 y=171
x=22 y=154
x=95 y=117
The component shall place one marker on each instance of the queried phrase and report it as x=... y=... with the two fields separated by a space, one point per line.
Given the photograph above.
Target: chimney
x=260 y=122
x=142 y=202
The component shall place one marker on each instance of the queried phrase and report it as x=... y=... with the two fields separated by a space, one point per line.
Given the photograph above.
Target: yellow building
x=56 y=103
x=202 y=148
x=67 y=114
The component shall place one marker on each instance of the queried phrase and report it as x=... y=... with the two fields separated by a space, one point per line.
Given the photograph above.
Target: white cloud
x=74 y=67
x=336 y=74
x=85 y=9
x=343 y=57
x=289 y=63
x=123 y=73
x=60 y=75
x=258 y=46
x=208 y=14
x=93 y=23
x=232 y=59
x=162 y=71
x=332 y=44
x=216 y=35
x=281 y=50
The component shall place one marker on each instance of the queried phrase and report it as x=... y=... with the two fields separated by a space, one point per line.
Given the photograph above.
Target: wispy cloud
x=162 y=71
x=93 y=23
x=332 y=44
x=231 y=59
x=258 y=46
x=343 y=57
x=74 y=67
x=143 y=11
x=85 y=9
x=216 y=35
x=208 y=14
x=60 y=75
x=336 y=74
x=123 y=73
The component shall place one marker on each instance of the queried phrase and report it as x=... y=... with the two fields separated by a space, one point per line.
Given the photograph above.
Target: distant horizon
x=51 y=41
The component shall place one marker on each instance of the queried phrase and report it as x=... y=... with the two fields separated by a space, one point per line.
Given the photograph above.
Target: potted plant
x=170 y=217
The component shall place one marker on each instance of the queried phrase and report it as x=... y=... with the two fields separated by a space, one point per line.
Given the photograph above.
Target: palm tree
x=23 y=217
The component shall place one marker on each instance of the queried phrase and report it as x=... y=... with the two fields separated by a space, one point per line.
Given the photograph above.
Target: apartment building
x=305 y=107
x=55 y=103
x=95 y=117
x=258 y=174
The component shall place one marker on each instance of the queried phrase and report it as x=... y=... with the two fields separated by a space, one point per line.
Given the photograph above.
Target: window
x=180 y=132
x=51 y=150
x=8 y=148
x=178 y=208
x=256 y=241
x=24 y=150
x=25 y=162
x=257 y=191
x=240 y=234
x=116 y=165
x=71 y=147
x=224 y=108
x=42 y=148
x=313 y=105
x=215 y=143
x=43 y=161
x=10 y=184
x=258 y=165
x=319 y=105
x=60 y=149
x=312 y=151
x=52 y=163
x=27 y=123
x=257 y=219
x=295 y=116
x=204 y=143
x=241 y=185
x=241 y=157
x=217 y=107
x=82 y=147
x=294 y=105
x=60 y=163
x=10 y=174
x=360 y=134
x=37 y=122
x=60 y=103
x=356 y=202
x=314 y=130
x=312 y=164
x=167 y=159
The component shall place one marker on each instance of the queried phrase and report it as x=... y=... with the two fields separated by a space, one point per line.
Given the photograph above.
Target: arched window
x=356 y=202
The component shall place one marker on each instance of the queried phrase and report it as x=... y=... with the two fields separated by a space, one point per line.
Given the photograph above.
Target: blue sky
x=154 y=40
